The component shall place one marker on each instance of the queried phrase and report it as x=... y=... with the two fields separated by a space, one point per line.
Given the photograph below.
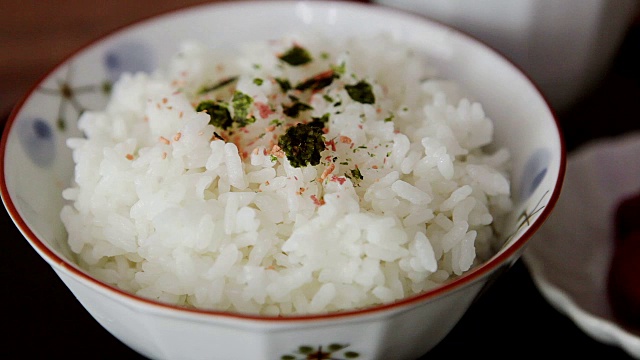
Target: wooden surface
x=36 y=35
x=42 y=320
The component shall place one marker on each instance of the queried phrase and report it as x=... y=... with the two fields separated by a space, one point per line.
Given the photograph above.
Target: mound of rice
x=170 y=207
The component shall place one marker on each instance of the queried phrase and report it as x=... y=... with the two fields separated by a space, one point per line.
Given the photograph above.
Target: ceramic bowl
x=37 y=166
x=570 y=257
x=566 y=47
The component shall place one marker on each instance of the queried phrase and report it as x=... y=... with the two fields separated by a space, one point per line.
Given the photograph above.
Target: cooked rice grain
x=170 y=207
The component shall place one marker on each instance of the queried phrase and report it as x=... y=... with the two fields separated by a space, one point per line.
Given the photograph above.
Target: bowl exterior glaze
x=37 y=166
x=402 y=333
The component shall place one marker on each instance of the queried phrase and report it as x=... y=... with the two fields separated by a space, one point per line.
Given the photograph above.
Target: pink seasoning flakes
x=263 y=109
x=339 y=179
x=316 y=201
x=327 y=171
x=331 y=144
x=277 y=151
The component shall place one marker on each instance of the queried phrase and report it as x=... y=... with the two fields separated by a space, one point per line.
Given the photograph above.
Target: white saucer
x=569 y=257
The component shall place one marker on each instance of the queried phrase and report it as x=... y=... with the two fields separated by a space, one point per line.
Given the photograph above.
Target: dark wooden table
x=42 y=320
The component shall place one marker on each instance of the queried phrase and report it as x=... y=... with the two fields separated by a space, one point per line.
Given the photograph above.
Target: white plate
x=569 y=257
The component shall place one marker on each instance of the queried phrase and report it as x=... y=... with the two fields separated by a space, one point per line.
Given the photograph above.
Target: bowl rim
x=496 y=262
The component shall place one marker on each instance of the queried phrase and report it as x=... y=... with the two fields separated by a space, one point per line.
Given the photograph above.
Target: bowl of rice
x=281 y=179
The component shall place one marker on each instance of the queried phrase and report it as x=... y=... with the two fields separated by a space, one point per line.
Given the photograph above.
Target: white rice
x=163 y=208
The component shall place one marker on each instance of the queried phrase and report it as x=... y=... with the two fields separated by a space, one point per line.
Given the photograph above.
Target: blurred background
x=583 y=54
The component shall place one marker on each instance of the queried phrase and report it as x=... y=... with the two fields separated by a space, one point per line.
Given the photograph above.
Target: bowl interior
x=37 y=165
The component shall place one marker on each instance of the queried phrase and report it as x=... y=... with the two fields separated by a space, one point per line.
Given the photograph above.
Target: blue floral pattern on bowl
x=533 y=173
x=36 y=133
x=128 y=57
x=38 y=140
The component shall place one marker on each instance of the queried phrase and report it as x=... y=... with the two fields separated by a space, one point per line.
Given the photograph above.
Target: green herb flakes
x=323 y=119
x=340 y=69
x=302 y=144
x=355 y=175
x=317 y=82
x=276 y=122
x=218 y=112
x=361 y=92
x=241 y=104
x=218 y=85
x=285 y=85
x=296 y=56
x=294 y=109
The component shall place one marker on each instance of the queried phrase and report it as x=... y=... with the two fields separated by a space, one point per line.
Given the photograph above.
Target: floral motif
x=534 y=172
x=128 y=57
x=36 y=134
x=526 y=217
x=69 y=93
x=330 y=352
x=38 y=140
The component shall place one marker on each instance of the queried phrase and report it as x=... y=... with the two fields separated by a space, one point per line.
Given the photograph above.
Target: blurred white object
x=565 y=46
x=569 y=258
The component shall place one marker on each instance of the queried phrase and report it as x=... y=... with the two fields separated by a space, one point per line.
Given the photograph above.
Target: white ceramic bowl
x=566 y=46
x=37 y=166
x=569 y=258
